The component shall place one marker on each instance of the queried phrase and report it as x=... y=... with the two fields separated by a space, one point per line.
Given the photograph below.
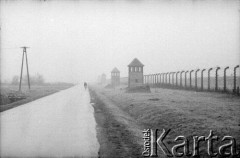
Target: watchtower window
x=140 y=69
x=136 y=80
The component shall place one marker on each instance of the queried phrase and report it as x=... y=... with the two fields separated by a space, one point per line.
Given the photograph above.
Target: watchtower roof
x=135 y=62
x=115 y=70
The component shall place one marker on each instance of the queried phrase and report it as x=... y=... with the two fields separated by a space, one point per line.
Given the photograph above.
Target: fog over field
x=73 y=41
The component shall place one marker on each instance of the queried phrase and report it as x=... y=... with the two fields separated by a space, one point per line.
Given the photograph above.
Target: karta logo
x=153 y=141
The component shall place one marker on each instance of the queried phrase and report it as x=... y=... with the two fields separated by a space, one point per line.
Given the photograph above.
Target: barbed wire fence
x=214 y=79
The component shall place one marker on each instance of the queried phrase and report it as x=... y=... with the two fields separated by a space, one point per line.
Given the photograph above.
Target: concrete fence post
x=169 y=77
x=209 y=81
x=181 y=78
x=216 y=79
x=190 y=78
x=186 y=79
x=159 y=78
x=196 y=79
x=147 y=79
x=156 y=81
x=225 y=79
x=160 y=75
x=163 y=78
x=202 y=78
x=173 y=78
x=152 y=79
x=235 y=79
x=166 y=78
x=177 y=78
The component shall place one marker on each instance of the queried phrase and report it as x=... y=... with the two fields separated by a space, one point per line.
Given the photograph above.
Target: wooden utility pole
x=24 y=52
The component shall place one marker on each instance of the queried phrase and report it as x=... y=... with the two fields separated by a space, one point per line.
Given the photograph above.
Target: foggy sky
x=73 y=41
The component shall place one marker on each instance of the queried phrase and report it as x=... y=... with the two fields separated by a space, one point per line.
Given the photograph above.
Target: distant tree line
x=34 y=80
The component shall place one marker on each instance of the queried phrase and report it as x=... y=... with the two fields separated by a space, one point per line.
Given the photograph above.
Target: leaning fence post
x=216 y=79
x=177 y=78
x=196 y=78
x=181 y=78
x=225 y=79
x=202 y=79
x=191 y=78
x=235 y=79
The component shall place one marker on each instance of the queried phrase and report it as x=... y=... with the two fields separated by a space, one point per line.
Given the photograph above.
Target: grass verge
x=36 y=92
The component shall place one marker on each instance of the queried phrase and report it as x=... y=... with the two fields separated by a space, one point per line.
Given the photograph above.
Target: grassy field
x=186 y=113
x=33 y=94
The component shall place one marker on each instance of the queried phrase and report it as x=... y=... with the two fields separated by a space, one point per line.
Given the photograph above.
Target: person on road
x=85 y=85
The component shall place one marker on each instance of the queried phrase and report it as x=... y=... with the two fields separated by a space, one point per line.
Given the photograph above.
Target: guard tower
x=115 y=77
x=135 y=73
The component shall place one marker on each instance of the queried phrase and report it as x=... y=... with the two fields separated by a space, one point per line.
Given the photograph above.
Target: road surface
x=59 y=125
